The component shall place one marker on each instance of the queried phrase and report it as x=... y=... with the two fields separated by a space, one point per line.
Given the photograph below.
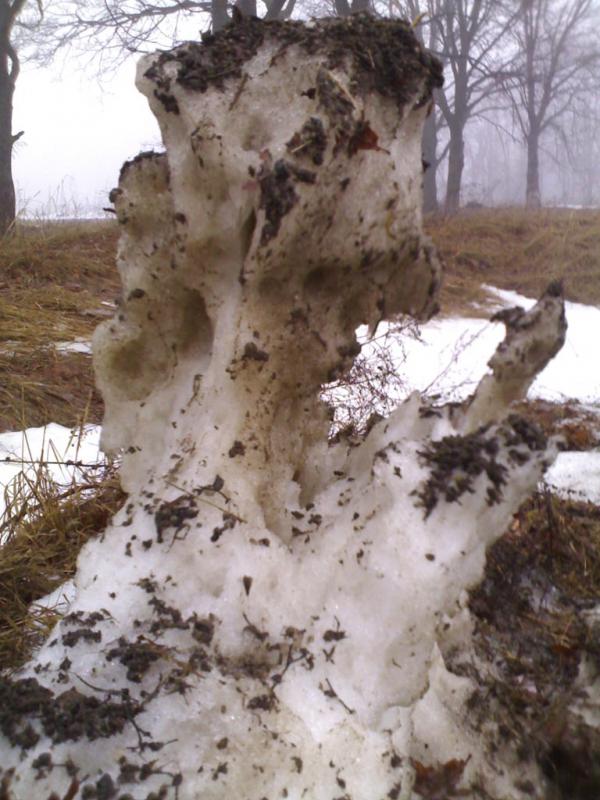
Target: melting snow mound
x=268 y=614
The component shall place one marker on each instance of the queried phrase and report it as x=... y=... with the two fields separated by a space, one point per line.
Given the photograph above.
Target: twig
x=239 y=91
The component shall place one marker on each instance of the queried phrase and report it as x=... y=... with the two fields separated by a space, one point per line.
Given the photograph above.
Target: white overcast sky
x=78 y=132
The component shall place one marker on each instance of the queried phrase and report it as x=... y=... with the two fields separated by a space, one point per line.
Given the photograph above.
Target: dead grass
x=43 y=530
x=519 y=250
x=75 y=256
x=45 y=386
x=534 y=629
x=578 y=425
x=53 y=279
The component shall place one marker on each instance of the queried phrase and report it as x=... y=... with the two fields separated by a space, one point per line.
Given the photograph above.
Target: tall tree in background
x=470 y=33
x=9 y=72
x=556 y=58
x=116 y=28
x=426 y=29
x=467 y=35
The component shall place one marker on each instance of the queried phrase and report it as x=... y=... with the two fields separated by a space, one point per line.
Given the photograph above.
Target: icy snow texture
x=265 y=616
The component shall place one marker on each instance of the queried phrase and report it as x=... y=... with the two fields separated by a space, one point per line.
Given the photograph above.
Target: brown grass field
x=517 y=250
x=53 y=280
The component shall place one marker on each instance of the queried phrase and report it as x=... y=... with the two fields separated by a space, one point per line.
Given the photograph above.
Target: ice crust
x=268 y=614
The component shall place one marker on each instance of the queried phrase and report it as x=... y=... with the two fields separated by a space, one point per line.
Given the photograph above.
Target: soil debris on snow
x=537 y=629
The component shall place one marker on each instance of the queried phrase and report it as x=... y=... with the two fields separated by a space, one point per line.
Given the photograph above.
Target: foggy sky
x=78 y=132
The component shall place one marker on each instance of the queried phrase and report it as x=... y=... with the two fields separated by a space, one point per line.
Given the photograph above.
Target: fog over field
x=78 y=132
x=82 y=116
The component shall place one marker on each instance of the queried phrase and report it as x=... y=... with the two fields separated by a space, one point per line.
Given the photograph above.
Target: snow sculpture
x=266 y=616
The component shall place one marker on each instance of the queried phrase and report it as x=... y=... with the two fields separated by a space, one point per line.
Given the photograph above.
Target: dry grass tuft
x=577 y=424
x=46 y=386
x=76 y=255
x=520 y=250
x=535 y=629
x=53 y=279
x=44 y=528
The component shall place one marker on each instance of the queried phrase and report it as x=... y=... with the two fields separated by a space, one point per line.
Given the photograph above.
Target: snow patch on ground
x=450 y=357
x=576 y=475
x=77 y=346
x=62 y=453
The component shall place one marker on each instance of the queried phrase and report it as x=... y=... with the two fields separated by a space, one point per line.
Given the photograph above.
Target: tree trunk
x=219 y=15
x=533 y=197
x=456 y=163
x=342 y=9
x=247 y=7
x=360 y=6
x=430 y=165
x=7 y=187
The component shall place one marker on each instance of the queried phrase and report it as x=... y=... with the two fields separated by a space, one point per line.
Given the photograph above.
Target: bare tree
x=556 y=51
x=467 y=35
x=117 y=28
x=416 y=11
x=470 y=34
x=9 y=72
x=580 y=134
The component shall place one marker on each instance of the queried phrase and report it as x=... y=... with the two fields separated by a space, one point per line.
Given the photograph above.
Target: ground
x=517 y=250
x=57 y=281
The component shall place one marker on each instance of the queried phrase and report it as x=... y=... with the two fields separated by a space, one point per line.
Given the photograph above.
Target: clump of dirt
x=174 y=514
x=456 y=461
x=385 y=56
x=277 y=194
x=68 y=716
x=310 y=141
x=137 y=656
x=577 y=424
x=535 y=629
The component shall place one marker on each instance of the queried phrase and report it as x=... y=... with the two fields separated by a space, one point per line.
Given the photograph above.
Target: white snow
x=61 y=453
x=447 y=361
x=59 y=600
x=576 y=475
x=452 y=353
x=77 y=346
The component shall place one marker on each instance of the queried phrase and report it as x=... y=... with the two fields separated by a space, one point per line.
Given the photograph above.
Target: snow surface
x=77 y=346
x=451 y=355
x=62 y=453
x=576 y=475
